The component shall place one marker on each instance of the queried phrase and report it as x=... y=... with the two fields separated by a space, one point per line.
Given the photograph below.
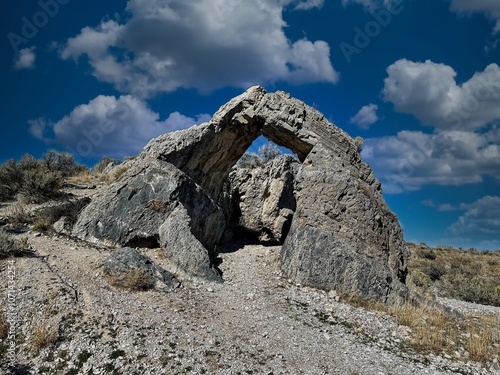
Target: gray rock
x=131 y=211
x=130 y=269
x=343 y=236
x=62 y=226
x=263 y=197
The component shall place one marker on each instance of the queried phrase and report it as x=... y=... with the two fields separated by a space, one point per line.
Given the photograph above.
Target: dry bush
x=136 y=279
x=12 y=247
x=18 y=214
x=45 y=333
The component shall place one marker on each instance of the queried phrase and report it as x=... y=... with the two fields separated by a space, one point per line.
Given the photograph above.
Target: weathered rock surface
x=263 y=198
x=131 y=212
x=342 y=236
x=125 y=260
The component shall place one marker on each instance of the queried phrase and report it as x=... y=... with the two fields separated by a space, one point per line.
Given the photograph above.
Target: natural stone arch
x=342 y=236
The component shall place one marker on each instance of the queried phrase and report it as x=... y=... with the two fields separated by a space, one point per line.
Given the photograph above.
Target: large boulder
x=135 y=210
x=343 y=235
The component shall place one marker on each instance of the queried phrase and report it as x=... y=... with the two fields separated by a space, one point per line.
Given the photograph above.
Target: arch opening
x=261 y=194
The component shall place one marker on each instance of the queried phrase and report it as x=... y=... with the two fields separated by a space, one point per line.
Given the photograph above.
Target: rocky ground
x=256 y=322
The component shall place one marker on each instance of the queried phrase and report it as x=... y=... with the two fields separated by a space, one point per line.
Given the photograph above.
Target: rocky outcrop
x=342 y=236
x=135 y=211
x=128 y=268
x=263 y=198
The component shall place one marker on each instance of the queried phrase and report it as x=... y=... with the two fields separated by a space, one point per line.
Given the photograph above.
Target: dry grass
x=18 y=214
x=4 y=325
x=434 y=331
x=85 y=177
x=135 y=279
x=467 y=275
x=45 y=333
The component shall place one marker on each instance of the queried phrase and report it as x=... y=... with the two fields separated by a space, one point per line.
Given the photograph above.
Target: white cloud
x=490 y=7
x=366 y=116
x=109 y=126
x=412 y=159
x=429 y=91
x=482 y=218
x=25 y=59
x=202 y=44
x=309 y=4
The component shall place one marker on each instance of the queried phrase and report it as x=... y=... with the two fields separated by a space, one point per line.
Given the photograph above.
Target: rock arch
x=343 y=236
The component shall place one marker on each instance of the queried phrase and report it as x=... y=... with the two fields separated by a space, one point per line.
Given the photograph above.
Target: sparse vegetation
x=11 y=247
x=468 y=275
x=434 y=331
x=266 y=153
x=103 y=164
x=44 y=333
x=37 y=180
x=136 y=279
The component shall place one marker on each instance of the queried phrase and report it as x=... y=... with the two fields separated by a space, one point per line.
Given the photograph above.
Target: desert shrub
x=18 y=215
x=428 y=254
x=265 y=154
x=61 y=162
x=103 y=163
x=11 y=247
x=250 y=160
x=136 y=279
x=40 y=185
x=268 y=152
x=477 y=290
x=11 y=178
x=435 y=272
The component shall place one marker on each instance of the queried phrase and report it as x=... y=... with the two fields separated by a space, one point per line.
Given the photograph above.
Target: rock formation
x=342 y=236
x=263 y=199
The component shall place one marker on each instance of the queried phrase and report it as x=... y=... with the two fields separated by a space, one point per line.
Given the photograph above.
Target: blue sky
x=417 y=79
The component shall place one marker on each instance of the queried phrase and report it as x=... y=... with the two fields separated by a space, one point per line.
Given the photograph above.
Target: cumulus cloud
x=366 y=116
x=482 y=218
x=25 y=59
x=430 y=92
x=489 y=7
x=204 y=44
x=412 y=159
x=115 y=127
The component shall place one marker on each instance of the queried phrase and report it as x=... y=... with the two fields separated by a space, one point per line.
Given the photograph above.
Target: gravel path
x=254 y=323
